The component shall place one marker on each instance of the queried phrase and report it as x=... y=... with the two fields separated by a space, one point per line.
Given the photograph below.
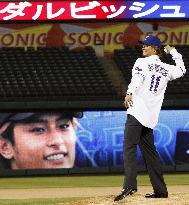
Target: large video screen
x=53 y=140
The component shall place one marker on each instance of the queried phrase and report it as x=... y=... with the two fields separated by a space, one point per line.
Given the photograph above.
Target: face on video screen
x=39 y=141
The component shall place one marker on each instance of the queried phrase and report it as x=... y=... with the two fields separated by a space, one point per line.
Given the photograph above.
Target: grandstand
x=53 y=74
x=75 y=78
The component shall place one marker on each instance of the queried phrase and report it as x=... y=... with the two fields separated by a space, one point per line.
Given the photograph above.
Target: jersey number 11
x=154 y=83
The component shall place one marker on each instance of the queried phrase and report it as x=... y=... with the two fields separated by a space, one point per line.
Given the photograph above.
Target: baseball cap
x=7 y=117
x=151 y=41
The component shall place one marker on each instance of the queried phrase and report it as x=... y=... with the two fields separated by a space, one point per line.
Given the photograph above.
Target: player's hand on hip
x=168 y=48
x=128 y=101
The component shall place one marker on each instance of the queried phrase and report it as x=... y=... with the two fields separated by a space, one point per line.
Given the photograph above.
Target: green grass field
x=37 y=201
x=74 y=181
x=83 y=181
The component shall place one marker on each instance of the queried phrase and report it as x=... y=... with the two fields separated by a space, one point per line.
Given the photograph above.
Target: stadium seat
x=41 y=73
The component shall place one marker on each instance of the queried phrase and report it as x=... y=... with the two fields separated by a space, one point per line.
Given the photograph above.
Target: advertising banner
x=108 y=36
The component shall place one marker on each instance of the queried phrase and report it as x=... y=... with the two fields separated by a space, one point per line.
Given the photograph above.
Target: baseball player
x=144 y=99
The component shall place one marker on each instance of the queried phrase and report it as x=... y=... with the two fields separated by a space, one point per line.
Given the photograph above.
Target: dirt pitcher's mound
x=137 y=199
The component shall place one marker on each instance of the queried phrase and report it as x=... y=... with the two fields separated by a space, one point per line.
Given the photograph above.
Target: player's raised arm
x=179 y=69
